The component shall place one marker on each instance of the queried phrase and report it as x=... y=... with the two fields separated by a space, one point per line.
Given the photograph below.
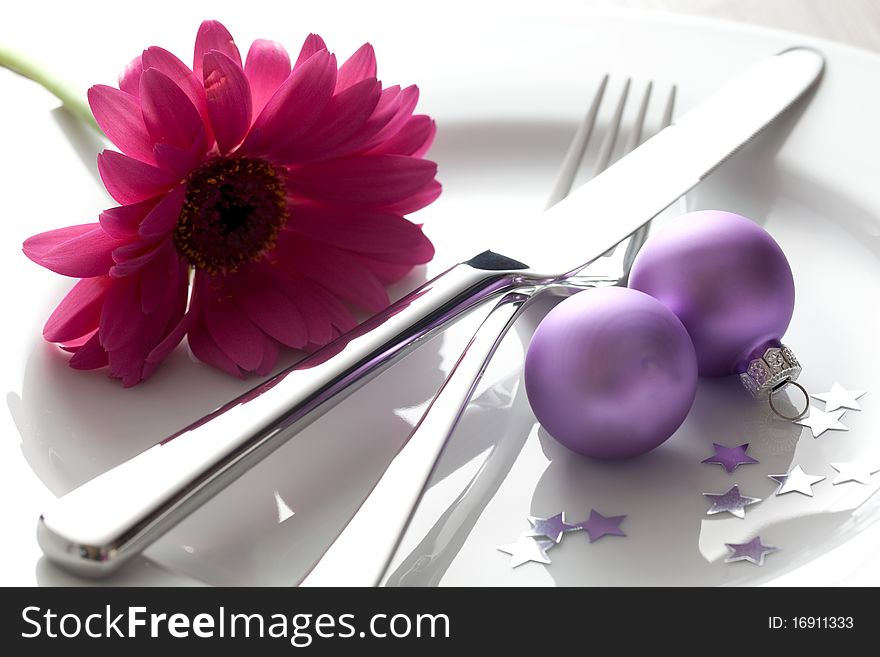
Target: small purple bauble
x=727 y=281
x=611 y=373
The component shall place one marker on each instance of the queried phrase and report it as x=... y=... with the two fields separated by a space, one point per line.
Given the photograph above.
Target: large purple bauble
x=611 y=373
x=726 y=279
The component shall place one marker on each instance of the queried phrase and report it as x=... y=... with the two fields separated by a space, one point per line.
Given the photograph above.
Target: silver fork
x=361 y=554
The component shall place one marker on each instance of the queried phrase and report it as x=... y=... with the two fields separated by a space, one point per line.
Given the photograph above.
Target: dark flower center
x=233 y=210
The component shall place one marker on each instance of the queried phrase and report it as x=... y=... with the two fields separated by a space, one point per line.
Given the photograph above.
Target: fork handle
x=97 y=527
x=360 y=555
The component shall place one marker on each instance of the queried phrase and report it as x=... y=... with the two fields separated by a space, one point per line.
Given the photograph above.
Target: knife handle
x=97 y=527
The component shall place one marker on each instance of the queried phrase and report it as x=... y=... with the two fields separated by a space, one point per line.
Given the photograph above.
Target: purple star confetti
x=598 y=526
x=730 y=457
x=731 y=502
x=754 y=551
x=552 y=528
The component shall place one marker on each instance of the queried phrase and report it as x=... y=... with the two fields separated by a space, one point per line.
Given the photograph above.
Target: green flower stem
x=72 y=99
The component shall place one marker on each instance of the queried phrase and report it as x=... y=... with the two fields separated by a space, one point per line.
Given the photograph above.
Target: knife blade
x=627 y=195
x=97 y=527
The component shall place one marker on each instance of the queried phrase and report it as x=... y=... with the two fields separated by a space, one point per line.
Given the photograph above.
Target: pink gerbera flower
x=276 y=194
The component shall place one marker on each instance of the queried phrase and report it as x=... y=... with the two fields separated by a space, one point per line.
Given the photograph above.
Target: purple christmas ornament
x=611 y=373
x=728 y=282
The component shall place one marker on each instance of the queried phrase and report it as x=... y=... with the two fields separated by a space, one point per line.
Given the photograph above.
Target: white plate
x=507 y=92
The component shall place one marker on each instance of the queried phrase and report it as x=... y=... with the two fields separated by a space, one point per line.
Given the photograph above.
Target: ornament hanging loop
x=771 y=368
x=782 y=386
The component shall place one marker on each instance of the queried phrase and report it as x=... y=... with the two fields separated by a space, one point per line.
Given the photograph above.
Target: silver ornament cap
x=771 y=370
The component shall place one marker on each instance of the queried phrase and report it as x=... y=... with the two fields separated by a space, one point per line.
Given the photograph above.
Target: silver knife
x=97 y=527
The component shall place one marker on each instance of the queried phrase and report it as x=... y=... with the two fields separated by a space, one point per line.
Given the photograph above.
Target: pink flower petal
x=128 y=363
x=181 y=74
x=295 y=107
x=232 y=331
x=72 y=345
x=119 y=116
x=386 y=272
x=129 y=180
x=393 y=102
x=90 y=356
x=267 y=67
x=130 y=77
x=122 y=222
x=121 y=316
x=362 y=231
x=38 y=246
x=270 y=357
x=229 y=100
x=360 y=66
x=147 y=370
x=343 y=116
x=337 y=270
x=127 y=359
x=425 y=196
x=181 y=161
x=84 y=256
x=417 y=255
x=157 y=273
x=161 y=351
x=429 y=138
x=212 y=35
x=170 y=116
x=79 y=311
x=162 y=219
x=131 y=250
x=318 y=296
x=414 y=138
x=370 y=180
x=315 y=316
x=327 y=352
x=206 y=350
x=312 y=44
x=183 y=77
x=260 y=297
x=405 y=104
x=132 y=257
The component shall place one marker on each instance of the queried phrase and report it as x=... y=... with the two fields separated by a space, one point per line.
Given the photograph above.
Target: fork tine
x=639 y=126
x=604 y=156
x=638 y=238
x=575 y=153
x=670 y=107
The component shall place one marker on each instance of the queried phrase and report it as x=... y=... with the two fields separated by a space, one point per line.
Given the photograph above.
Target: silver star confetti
x=853 y=471
x=527 y=549
x=754 y=551
x=840 y=397
x=552 y=528
x=731 y=502
x=796 y=481
x=820 y=421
